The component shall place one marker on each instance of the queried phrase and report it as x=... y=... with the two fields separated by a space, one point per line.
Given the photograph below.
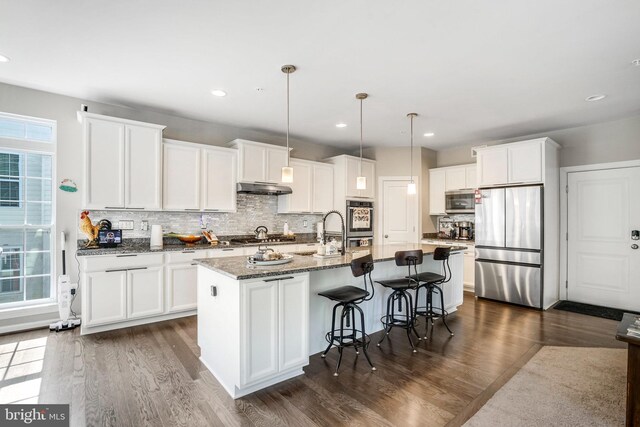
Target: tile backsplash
x=252 y=211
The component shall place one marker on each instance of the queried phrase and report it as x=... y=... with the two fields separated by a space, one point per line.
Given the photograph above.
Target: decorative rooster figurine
x=90 y=230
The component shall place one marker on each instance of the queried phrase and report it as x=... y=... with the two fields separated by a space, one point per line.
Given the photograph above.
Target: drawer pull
x=188 y=252
x=278 y=278
x=194 y=263
x=126 y=256
x=115 y=271
x=114 y=207
x=228 y=249
x=137 y=268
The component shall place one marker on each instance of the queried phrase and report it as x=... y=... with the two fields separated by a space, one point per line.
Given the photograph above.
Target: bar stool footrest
x=351 y=340
x=398 y=320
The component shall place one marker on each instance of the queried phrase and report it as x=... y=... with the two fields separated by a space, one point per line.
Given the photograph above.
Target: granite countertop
x=238 y=269
x=449 y=240
x=139 y=246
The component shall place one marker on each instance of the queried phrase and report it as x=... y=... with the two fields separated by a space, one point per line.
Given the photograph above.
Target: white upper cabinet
x=455 y=179
x=199 y=177
x=122 y=163
x=312 y=188
x=470 y=177
x=218 y=179
x=181 y=181
x=525 y=162
x=437 y=180
x=322 y=188
x=143 y=167
x=521 y=162
x=258 y=162
x=346 y=170
x=492 y=166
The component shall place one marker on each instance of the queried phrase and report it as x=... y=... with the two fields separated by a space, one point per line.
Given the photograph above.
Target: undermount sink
x=307 y=253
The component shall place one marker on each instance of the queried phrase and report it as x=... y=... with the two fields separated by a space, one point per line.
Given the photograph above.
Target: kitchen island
x=257 y=325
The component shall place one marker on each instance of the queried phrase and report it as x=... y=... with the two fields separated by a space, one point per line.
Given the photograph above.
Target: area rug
x=561 y=386
x=592 y=310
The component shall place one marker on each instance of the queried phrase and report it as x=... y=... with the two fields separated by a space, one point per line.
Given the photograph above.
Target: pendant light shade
x=411 y=187
x=287 y=171
x=361 y=181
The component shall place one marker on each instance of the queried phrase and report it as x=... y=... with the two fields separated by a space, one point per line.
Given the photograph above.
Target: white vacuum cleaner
x=66 y=295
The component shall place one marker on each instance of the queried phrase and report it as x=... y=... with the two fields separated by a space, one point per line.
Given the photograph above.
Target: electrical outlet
x=144 y=225
x=305 y=223
x=125 y=224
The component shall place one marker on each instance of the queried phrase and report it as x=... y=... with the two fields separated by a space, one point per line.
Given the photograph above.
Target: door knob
x=634 y=246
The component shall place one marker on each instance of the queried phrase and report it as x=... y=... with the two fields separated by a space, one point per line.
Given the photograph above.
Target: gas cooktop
x=253 y=240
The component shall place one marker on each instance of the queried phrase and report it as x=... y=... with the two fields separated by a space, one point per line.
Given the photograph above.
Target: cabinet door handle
x=114 y=207
x=214 y=291
x=137 y=268
x=192 y=209
x=278 y=278
x=194 y=263
x=115 y=271
x=128 y=207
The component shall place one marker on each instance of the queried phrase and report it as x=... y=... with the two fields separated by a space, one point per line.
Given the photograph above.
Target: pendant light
x=287 y=171
x=411 y=188
x=361 y=181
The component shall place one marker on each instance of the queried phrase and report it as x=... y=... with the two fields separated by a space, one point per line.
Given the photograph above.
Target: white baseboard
x=9 y=329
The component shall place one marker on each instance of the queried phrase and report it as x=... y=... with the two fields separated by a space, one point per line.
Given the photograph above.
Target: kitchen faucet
x=324 y=230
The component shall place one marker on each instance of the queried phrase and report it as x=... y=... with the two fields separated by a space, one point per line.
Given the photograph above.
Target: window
x=26 y=213
x=9 y=180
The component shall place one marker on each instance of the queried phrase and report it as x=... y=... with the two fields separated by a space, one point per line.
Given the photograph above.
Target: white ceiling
x=473 y=70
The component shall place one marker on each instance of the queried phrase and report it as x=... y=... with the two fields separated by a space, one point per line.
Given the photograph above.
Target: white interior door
x=399 y=216
x=603 y=210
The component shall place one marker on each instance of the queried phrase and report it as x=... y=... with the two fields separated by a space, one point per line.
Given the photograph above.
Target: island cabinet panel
x=293 y=301
x=274 y=327
x=259 y=331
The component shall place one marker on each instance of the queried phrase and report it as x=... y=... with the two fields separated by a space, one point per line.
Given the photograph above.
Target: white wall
x=19 y=100
x=606 y=142
x=394 y=161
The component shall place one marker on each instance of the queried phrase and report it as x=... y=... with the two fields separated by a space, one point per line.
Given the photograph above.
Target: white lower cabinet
x=145 y=292
x=469 y=270
x=105 y=293
x=181 y=287
x=293 y=323
x=128 y=290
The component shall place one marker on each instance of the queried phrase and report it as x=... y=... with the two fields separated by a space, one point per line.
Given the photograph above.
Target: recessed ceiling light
x=636 y=62
x=218 y=92
x=595 y=97
x=341 y=125
x=429 y=134
x=4 y=58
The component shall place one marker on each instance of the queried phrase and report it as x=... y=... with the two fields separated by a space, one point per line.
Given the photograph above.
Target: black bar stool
x=348 y=297
x=400 y=294
x=431 y=283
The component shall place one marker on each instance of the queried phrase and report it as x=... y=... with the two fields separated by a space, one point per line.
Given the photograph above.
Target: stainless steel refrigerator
x=509 y=241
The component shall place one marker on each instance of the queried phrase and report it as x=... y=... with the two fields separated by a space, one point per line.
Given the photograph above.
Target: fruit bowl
x=189 y=239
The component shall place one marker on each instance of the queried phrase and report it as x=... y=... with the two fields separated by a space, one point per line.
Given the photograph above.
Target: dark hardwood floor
x=151 y=375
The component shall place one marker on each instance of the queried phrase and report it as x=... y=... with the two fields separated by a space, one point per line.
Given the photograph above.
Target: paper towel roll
x=156 y=237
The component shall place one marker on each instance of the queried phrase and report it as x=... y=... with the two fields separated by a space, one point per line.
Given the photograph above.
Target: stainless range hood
x=263 y=188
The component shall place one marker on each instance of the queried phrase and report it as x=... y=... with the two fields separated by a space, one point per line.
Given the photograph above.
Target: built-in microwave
x=458 y=202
